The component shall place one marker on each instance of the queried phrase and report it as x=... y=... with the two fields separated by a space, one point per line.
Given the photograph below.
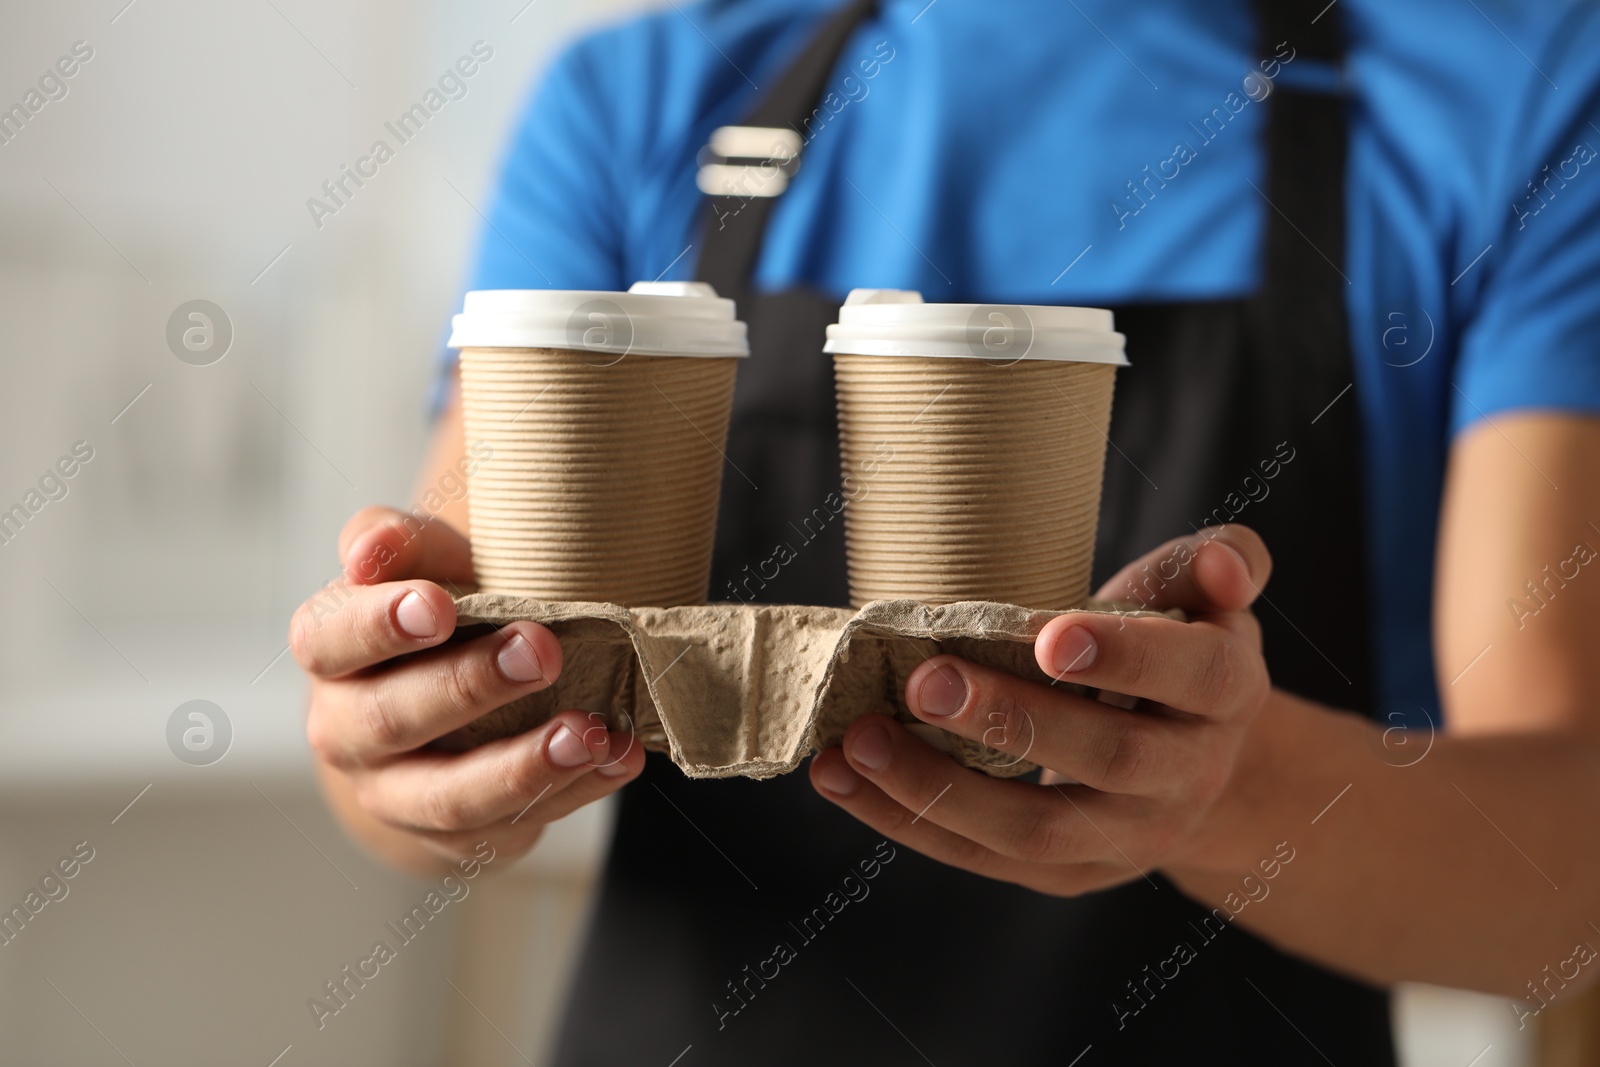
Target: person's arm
x=379 y=694
x=1475 y=866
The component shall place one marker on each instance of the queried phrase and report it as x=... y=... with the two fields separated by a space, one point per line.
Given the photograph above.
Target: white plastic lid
x=895 y=322
x=650 y=319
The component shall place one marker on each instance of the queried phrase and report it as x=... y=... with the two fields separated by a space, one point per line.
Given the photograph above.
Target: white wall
x=190 y=144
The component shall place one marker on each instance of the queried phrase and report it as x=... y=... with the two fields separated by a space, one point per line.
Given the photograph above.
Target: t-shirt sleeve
x=553 y=219
x=1533 y=339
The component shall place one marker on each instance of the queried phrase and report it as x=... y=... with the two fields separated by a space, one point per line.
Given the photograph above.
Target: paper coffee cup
x=973 y=439
x=607 y=414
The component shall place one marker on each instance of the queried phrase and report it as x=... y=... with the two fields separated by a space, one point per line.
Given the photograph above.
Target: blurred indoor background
x=221 y=897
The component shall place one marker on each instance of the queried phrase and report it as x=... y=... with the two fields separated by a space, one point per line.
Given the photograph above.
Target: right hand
x=384 y=684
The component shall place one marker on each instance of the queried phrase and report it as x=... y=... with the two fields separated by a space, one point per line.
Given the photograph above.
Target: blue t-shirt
x=1004 y=152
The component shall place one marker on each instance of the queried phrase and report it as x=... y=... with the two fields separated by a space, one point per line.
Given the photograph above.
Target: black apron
x=706 y=878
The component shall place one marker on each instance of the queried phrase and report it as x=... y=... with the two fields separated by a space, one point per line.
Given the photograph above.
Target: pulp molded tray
x=753 y=689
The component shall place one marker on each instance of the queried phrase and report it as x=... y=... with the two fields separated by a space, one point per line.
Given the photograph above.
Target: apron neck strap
x=1304 y=138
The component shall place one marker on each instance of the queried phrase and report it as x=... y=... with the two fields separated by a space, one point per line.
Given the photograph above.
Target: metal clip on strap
x=749 y=161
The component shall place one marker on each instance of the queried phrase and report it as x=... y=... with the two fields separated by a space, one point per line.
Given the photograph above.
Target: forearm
x=440 y=472
x=1405 y=876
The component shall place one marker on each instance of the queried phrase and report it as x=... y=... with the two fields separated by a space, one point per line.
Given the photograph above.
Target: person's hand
x=1149 y=776
x=384 y=683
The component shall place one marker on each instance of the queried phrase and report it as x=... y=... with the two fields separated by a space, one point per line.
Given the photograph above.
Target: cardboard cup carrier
x=608 y=417
x=973 y=439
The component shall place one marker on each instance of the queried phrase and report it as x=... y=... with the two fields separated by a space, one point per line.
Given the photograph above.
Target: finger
x=1018 y=820
x=1221 y=568
x=515 y=779
x=403 y=706
x=382 y=544
x=522 y=830
x=373 y=623
x=1098 y=744
x=1201 y=667
x=833 y=777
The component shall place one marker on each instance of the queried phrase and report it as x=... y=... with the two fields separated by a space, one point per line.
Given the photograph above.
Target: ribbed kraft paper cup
x=608 y=417
x=973 y=441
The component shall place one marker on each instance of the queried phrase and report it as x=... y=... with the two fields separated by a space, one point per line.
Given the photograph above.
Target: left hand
x=1149 y=776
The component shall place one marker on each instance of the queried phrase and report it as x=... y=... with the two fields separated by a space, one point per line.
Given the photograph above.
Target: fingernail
x=943 y=691
x=1075 y=650
x=614 y=769
x=415 y=617
x=871 y=747
x=518 y=663
x=567 y=749
x=837 y=778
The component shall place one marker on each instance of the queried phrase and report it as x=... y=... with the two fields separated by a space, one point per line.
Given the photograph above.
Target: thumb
x=1219 y=569
x=384 y=545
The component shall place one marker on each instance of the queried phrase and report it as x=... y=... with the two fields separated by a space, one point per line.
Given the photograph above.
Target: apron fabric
x=923 y=963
